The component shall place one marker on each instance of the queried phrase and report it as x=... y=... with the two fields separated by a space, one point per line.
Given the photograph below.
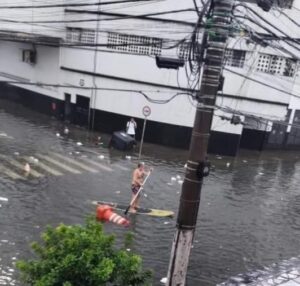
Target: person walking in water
x=138 y=177
x=131 y=127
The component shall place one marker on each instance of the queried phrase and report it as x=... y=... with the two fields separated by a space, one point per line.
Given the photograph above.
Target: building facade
x=98 y=65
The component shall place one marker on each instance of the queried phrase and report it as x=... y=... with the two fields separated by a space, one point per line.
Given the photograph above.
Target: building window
x=185 y=48
x=134 y=44
x=183 y=51
x=276 y=65
x=29 y=56
x=84 y=36
x=235 y=58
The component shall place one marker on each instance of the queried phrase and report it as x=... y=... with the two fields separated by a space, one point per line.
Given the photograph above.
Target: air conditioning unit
x=169 y=63
x=29 y=56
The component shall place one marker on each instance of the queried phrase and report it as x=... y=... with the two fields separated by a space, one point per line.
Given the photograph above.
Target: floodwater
x=250 y=206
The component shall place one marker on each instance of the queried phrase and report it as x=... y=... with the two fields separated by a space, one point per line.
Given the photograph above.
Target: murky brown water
x=249 y=215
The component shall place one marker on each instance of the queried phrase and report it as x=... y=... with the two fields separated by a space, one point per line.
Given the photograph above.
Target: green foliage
x=82 y=256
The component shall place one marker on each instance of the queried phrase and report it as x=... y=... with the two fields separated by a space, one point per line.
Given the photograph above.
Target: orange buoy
x=104 y=213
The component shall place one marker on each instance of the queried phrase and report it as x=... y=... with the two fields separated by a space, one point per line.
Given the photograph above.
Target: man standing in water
x=131 y=127
x=138 y=177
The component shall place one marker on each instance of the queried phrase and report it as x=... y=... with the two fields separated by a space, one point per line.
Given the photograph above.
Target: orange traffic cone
x=105 y=213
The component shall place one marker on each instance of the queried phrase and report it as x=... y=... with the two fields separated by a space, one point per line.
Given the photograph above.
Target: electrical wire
x=68 y=5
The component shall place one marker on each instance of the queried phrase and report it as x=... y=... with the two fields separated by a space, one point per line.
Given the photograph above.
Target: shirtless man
x=137 y=182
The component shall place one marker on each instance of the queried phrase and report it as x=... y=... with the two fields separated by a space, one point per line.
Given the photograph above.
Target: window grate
x=76 y=35
x=235 y=58
x=134 y=44
x=276 y=65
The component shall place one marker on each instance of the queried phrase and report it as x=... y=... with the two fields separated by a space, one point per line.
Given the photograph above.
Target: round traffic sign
x=146 y=111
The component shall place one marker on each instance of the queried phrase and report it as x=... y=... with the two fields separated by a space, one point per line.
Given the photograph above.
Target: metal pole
x=142 y=140
x=197 y=165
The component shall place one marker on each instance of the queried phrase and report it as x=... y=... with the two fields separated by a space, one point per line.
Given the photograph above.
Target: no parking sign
x=146 y=111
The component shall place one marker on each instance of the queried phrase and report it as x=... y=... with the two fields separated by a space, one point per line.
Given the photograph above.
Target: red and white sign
x=146 y=111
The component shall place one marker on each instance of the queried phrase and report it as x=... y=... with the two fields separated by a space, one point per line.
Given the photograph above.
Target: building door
x=82 y=110
x=67 y=107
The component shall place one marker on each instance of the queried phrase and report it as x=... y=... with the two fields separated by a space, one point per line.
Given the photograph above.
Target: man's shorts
x=135 y=189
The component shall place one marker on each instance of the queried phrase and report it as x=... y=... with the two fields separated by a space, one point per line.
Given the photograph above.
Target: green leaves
x=82 y=256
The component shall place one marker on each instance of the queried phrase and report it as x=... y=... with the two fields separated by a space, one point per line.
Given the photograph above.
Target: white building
x=51 y=51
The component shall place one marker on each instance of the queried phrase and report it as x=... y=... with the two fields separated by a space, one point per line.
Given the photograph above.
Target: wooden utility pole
x=197 y=165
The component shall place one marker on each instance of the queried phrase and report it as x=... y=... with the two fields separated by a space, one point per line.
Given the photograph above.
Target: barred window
x=77 y=35
x=73 y=35
x=276 y=65
x=183 y=51
x=235 y=58
x=134 y=44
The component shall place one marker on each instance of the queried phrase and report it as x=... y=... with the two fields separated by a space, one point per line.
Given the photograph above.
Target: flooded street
x=250 y=206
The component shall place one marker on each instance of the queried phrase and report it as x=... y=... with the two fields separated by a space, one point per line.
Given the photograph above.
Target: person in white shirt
x=131 y=127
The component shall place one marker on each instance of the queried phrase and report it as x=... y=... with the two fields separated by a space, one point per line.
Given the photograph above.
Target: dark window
x=235 y=58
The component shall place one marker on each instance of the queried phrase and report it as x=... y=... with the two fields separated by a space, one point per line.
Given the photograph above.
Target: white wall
x=45 y=70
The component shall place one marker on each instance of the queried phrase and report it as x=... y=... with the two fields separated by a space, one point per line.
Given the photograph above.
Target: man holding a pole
x=138 y=180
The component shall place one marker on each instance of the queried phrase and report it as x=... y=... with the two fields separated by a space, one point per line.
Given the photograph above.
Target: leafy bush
x=81 y=256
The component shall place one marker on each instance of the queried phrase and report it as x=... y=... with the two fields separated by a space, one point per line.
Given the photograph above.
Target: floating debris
x=178 y=177
x=185 y=166
x=228 y=164
x=118 y=192
x=166 y=222
x=57 y=135
x=245 y=161
x=173 y=179
x=145 y=195
x=33 y=159
x=66 y=131
x=128 y=249
x=180 y=182
x=219 y=157
x=101 y=157
x=27 y=168
x=77 y=152
x=79 y=144
x=169 y=184
x=164 y=280
x=3 y=199
x=128 y=157
x=16 y=153
x=260 y=173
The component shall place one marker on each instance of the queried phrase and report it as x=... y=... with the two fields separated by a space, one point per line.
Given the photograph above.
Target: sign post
x=146 y=113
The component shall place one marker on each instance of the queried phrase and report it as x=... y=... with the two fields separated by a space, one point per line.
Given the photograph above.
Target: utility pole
x=197 y=164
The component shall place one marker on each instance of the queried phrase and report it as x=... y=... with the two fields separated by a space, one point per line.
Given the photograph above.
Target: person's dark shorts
x=135 y=189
